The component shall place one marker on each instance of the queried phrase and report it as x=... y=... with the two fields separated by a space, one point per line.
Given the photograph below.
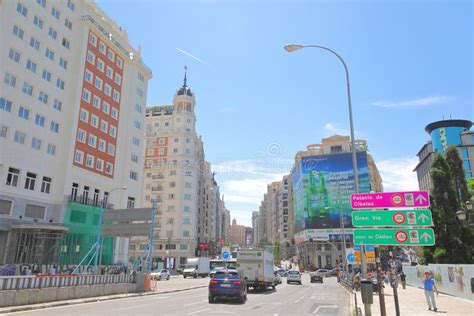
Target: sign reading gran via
x=394 y=236
x=392 y=218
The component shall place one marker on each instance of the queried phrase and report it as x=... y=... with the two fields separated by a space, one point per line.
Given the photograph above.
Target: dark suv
x=227 y=284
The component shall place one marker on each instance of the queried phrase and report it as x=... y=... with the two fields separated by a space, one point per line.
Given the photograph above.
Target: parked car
x=281 y=272
x=335 y=272
x=162 y=274
x=228 y=284
x=314 y=277
x=277 y=278
x=323 y=272
x=293 y=276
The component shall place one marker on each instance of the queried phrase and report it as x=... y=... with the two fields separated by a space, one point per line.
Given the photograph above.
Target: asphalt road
x=287 y=299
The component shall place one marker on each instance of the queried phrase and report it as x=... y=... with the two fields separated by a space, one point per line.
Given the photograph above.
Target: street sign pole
x=380 y=282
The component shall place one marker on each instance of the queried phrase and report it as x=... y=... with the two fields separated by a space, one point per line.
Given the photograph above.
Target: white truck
x=256 y=266
x=196 y=267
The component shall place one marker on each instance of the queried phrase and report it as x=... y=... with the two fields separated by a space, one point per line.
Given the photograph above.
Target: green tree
x=458 y=173
x=448 y=229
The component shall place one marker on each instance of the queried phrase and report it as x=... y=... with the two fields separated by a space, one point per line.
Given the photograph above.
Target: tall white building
x=72 y=100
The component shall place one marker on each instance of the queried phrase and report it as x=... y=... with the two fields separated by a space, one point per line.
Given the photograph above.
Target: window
x=98 y=83
x=94 y=121
x=113 y=131
x=36 y=143
x=27 y=89
x=90 y=161
x=102 y=48
x=186 y=221
x=63 y=63
x=86 y=95
x=68 y=24
x=39 y=120
x=175 y=150
x=78 y=156
x=43 y=97
x=134 y=158
x=38 y=22
x=107 y=90
x=464 y=153
x=3 y=131
x=111 y=149
x=137 y=124
x=187 y=197
x=18 y=32
x=92 y=140
x=172 y=184
x=30 y=181
x=183 y=247
x=104 y=126
x=23 y=113
x=65 y=43
x=70 y=5
x=60 y=84
x=131 y=202
x=170 y=221
x=54 y=127
x=172 y=172
x=186 y=233
x=19 y=137
x=10 y=79
x=51 y=150
x=140 y=77
x=188 y=185
x=118 y=79
x=187 y=209
x=116 y=96
x=188 y=173
x=138 y=108
x=14 y=55
x=55 y=13
x=12 y=177
x=101 y=145
x=5 y=105
x=99 y=164
x=84 y=115
x=5 y=207
x=31 y=66
x=109 y=72
x=41 y=3
x=105 y=107
x=46 y=75
x=49 y=53
x=119 y=62
x=109 y=168
x=100 y=65
x=88 y=76
x=35 y=211
x=110 y=55
x=133 y=175
x=46 y=185
x=57 y=105
x=90 y=57
x=139 y=92
x=52 y=33
x=34 y=43
x=96 y=102
x=136 y=141
x=81 y=136
x=114 y=113
x=20 y=8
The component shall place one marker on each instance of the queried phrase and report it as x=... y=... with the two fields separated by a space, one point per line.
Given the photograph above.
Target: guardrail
x=54 y=281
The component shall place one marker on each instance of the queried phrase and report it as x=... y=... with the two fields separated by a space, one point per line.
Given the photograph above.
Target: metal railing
x=53 y=281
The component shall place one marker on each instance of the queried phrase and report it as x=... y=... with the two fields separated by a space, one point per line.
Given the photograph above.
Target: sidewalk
x=412 y=302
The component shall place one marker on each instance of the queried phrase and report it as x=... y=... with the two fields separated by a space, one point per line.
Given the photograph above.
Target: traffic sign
x=392 y=218
x=390 y=199
x=225 y=255
x=395 y=236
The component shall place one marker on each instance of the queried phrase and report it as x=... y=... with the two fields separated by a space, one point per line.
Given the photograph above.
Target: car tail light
x=236 y=282
x=213 y=282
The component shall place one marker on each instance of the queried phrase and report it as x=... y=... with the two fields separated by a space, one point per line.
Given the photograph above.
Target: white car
x=162 y=274
x=293 y=276
x=323 y=273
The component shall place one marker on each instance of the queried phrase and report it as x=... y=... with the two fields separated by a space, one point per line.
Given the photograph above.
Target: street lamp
x=294 y=47
x=462 y=215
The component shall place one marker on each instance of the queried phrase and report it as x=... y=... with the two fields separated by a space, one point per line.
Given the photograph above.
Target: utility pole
x=152 y=235
x=380 y=282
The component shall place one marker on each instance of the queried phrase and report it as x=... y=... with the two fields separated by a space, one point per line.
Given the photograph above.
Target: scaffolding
x=34 y=244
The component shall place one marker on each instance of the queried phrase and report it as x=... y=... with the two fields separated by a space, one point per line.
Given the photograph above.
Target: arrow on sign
x=425 y=236
x=420 y=198
x=423 y=217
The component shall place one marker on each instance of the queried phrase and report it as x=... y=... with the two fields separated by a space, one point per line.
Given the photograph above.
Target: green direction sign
x=394 y=236
x=392 y=218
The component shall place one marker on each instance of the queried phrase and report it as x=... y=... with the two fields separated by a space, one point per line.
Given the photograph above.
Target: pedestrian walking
x=403 y=279
x=52 y=270
x=429 y=285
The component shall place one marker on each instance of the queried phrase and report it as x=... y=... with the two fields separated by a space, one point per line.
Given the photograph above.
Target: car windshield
x=223 y=275
x=293 y=272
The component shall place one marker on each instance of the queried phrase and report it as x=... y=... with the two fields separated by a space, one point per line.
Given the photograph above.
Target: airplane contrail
x=192 y=56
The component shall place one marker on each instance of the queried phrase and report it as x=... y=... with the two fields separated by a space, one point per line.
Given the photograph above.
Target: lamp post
x=294 y=47
x=98 y=238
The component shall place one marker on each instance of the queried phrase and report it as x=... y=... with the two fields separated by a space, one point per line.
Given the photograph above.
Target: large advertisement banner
x=322 y=187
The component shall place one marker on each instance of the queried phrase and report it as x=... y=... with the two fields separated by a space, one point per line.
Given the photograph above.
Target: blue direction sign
x=225 y=255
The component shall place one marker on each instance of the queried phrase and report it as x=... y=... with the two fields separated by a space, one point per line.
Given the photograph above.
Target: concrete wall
x=35 y=296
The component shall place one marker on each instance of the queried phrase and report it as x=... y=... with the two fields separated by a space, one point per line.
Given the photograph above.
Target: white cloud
x=426 y=101
x=261 y=166
x=332 y=128
x=242 y=217
x=397 y=174
x=248 y=191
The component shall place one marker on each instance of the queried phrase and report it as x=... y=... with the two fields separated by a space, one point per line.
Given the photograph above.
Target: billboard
x=322 y=188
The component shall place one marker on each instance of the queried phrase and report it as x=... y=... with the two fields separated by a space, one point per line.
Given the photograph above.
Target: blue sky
x=410 y=64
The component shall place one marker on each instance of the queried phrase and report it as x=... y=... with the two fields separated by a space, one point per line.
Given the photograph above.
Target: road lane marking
x=298 y=300
x=190 y=304
x=316 y=310
x=200 y=311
